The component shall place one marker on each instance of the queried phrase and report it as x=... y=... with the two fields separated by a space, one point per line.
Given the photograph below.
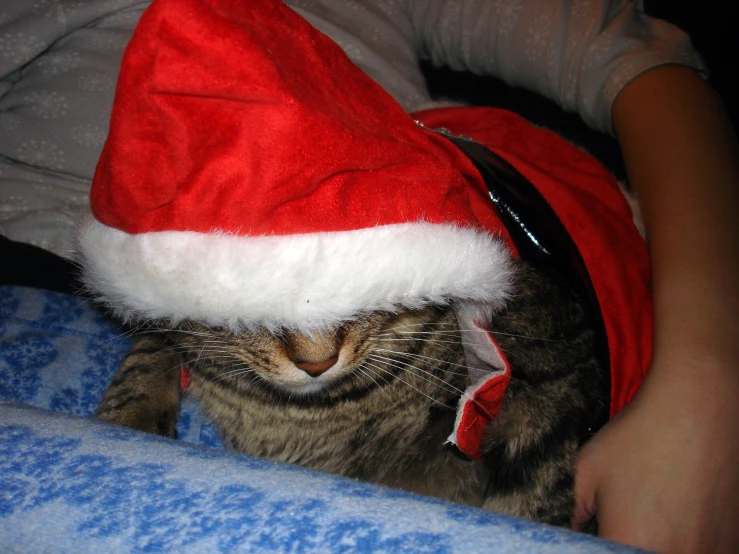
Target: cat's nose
x=315 y=353
x=314 y=369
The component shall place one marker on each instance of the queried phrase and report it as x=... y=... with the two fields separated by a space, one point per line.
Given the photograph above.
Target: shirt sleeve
x=578 y=53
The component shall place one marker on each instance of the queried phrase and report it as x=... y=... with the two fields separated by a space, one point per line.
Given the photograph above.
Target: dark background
x=714 y=27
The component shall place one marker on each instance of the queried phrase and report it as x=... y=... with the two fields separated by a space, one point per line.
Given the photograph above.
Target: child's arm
x=665 y=473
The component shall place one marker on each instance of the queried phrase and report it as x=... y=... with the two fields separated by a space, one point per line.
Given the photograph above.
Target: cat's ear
x=489 y=373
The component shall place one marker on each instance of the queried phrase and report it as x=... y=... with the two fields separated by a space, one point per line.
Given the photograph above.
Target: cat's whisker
x=198 y=346
x=200 y=354
x=396 y=330
x=379 y=386
x=455 y=389
x=411 y=386
x=190 y=349
x=419 y=334
x=453 y=332
x=410 y=368
x=528 y=337
x=212 y=341
x=185 y=332
x=429 y=358
x=226 y=369
x=409 y=354
x=254 y=376
x=205 y=348
x=403 y=365
x=441 y=349
x=190 y=333
x=425 y=324
x=233 y=373
x=462 y=394
x=452 y=329
x=435 y=341
x=205 y=359
x=361 y=371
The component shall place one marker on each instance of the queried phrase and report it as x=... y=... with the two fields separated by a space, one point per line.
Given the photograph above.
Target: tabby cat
x=376 y=398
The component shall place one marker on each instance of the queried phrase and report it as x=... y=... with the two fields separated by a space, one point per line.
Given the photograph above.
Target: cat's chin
x=307 y=390
x=297 y=384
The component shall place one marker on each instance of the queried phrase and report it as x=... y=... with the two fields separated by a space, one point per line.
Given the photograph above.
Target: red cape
x=593 y=209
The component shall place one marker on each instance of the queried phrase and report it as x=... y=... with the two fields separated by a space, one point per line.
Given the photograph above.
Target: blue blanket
x=72 y=484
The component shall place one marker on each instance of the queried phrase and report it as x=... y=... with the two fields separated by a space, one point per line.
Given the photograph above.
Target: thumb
x=586 y=505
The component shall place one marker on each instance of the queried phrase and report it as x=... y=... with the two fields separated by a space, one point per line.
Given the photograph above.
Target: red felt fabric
x=184 y=378
x=590 y=205
x=240 y=116
x=485 y=406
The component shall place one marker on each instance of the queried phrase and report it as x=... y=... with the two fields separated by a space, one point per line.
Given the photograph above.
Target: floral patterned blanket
x=72 y=484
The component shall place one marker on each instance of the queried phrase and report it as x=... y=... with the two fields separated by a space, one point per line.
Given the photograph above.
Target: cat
x=375 y=399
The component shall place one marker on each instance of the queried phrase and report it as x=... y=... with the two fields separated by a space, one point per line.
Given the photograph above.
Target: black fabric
x=540 y=238
x=30 y=266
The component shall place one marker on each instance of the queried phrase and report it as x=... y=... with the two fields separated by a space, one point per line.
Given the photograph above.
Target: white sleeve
x=579 y=53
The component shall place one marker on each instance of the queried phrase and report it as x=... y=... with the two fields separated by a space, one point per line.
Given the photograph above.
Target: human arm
x=578 y=53
x=664 y=474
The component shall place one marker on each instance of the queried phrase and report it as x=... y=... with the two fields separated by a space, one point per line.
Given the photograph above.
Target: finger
x=586 y=505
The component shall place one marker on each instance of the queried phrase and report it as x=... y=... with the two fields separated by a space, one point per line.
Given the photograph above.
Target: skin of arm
x=664 y=473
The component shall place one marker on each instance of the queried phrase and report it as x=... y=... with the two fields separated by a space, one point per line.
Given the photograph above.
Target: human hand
x=664 y=473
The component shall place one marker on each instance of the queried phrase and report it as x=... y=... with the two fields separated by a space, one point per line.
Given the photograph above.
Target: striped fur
x=382 y=412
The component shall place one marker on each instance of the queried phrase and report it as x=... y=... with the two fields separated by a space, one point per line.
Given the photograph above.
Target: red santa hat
x=254 y=176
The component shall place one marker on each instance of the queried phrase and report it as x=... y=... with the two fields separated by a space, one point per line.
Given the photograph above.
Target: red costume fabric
x=254 y=176
x=591 y=206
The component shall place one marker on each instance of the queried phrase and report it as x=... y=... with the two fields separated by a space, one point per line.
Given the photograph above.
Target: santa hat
x=254 y=176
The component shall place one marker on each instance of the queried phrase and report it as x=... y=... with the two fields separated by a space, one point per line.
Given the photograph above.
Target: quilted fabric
x=58 y=353
x=71 y=484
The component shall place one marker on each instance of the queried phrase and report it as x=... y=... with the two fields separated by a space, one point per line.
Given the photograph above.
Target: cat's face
x=367 y=351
